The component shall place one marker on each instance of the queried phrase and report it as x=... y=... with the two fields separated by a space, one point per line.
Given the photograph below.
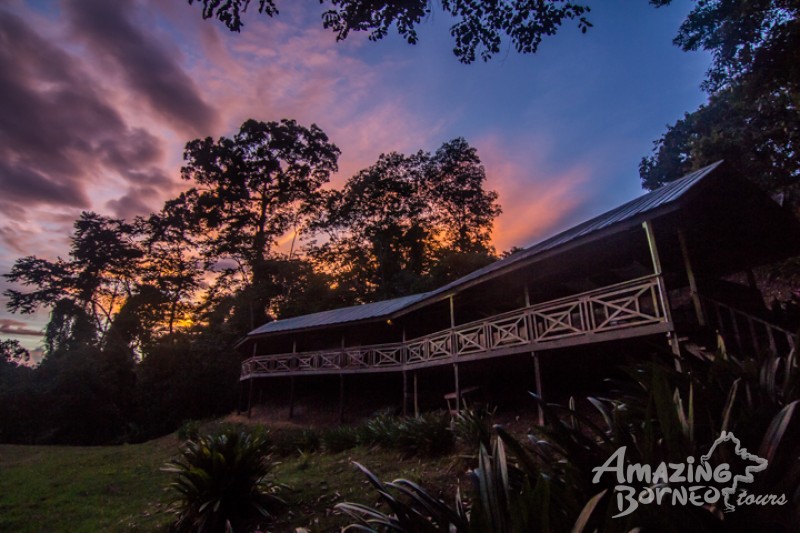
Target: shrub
x=382 y=430
x=428 y=435
x=339 y=439
x=473 y=427
x=221 y=481
x=286 y=442
x=189 y=430
x=659 y=413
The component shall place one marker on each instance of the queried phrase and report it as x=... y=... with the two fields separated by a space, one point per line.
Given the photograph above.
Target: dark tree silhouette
x=479 y=27
x=752 y=118
x=250 y=190
x=11 y=351
x=408 y=222
x=84 y=291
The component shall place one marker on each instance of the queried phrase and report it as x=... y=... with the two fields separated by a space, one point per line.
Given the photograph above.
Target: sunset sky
x=99 y=97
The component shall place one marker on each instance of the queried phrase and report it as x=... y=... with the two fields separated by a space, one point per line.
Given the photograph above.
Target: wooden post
x=405 y=376
x=250 y=395
x=698 y=307
x=342 y=362
x=250 y=399
x=539 y=392
x=291 y=384
x=416 y=397
x=341 y=398
x=241 y=394
x=527 y=295
x=453 y=352
x=405 y=393
x=291 y=397
x=662 y=289
x=458 y=388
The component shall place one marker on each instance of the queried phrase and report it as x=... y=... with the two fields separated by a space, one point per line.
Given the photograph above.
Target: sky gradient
x=100 y=97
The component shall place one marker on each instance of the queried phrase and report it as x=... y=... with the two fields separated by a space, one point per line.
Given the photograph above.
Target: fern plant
x=221 y=481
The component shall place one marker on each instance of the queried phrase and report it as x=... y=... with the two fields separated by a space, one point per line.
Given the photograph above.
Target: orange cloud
x=536 y=202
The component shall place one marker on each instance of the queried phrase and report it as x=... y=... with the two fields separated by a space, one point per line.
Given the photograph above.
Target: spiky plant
x=223 y=479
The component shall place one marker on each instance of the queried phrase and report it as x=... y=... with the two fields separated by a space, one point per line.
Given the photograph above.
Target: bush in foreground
x=222 y=482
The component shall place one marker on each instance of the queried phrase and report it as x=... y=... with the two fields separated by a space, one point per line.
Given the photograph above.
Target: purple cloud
x=150 y=68
x=58 y=132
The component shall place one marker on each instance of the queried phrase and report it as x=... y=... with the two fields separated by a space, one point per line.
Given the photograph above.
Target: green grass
x=121 y=488
x=91 y=489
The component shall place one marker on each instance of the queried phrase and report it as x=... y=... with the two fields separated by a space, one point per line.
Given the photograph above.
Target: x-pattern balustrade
x=625 y=309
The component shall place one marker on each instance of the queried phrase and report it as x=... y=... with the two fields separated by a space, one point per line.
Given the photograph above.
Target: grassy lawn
x=120 y=488
x=91 y=489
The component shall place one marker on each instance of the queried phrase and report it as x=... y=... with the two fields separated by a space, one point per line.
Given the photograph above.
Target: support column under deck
x=698 y=307
x=291 y=385
x=539 y=392
x=657 y=270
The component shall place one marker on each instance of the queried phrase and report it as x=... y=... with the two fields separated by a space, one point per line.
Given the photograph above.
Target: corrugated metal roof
x=355 y=313
x=651 y=201
x=661 y=197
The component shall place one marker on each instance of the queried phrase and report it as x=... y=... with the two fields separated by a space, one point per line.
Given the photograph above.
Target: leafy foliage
x=11 y=351
x=479 y=29
x=659 y=414
x=222 y=479
x=751 y=119
x=251 y=189
x=407 y=223
x=472 y=426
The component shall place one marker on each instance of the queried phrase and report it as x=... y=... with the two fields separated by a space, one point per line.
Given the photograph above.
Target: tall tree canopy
x=479 y=27
x=251 y=189
x=752 y=118
x=85 y=291
x=393 y=227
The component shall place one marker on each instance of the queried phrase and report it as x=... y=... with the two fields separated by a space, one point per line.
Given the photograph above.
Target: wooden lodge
x=651 y=268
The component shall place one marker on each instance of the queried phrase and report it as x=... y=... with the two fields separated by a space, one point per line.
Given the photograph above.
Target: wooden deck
x=630 y=309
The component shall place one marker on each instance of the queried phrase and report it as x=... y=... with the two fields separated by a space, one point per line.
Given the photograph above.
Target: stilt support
x=250 y=400
x=539 y=392
x=341 y=398
x=291 y=397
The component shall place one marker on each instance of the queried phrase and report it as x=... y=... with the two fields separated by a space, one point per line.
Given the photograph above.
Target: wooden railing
x=745 y=333
x=628 y=309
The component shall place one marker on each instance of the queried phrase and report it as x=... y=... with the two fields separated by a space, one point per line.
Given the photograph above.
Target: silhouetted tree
x=752 y=118
x=85 y=291
x=11 y=351
x=171 y=263
x=250 y=190
x=479 y=27
x=394 y=223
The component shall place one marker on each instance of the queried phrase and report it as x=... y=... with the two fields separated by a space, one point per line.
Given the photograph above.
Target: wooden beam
x=341 y=398
x=250 y=395
x=453 y=352
x=250 y=399
x=341 y=385
x=687 y=263
x=416 y=397
x=405 y=393
x=458 y=388
x=657 y=270
x=291 y=384
x=241 y=394
x=291 y=397
x=539 y=391
x=405 y=376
